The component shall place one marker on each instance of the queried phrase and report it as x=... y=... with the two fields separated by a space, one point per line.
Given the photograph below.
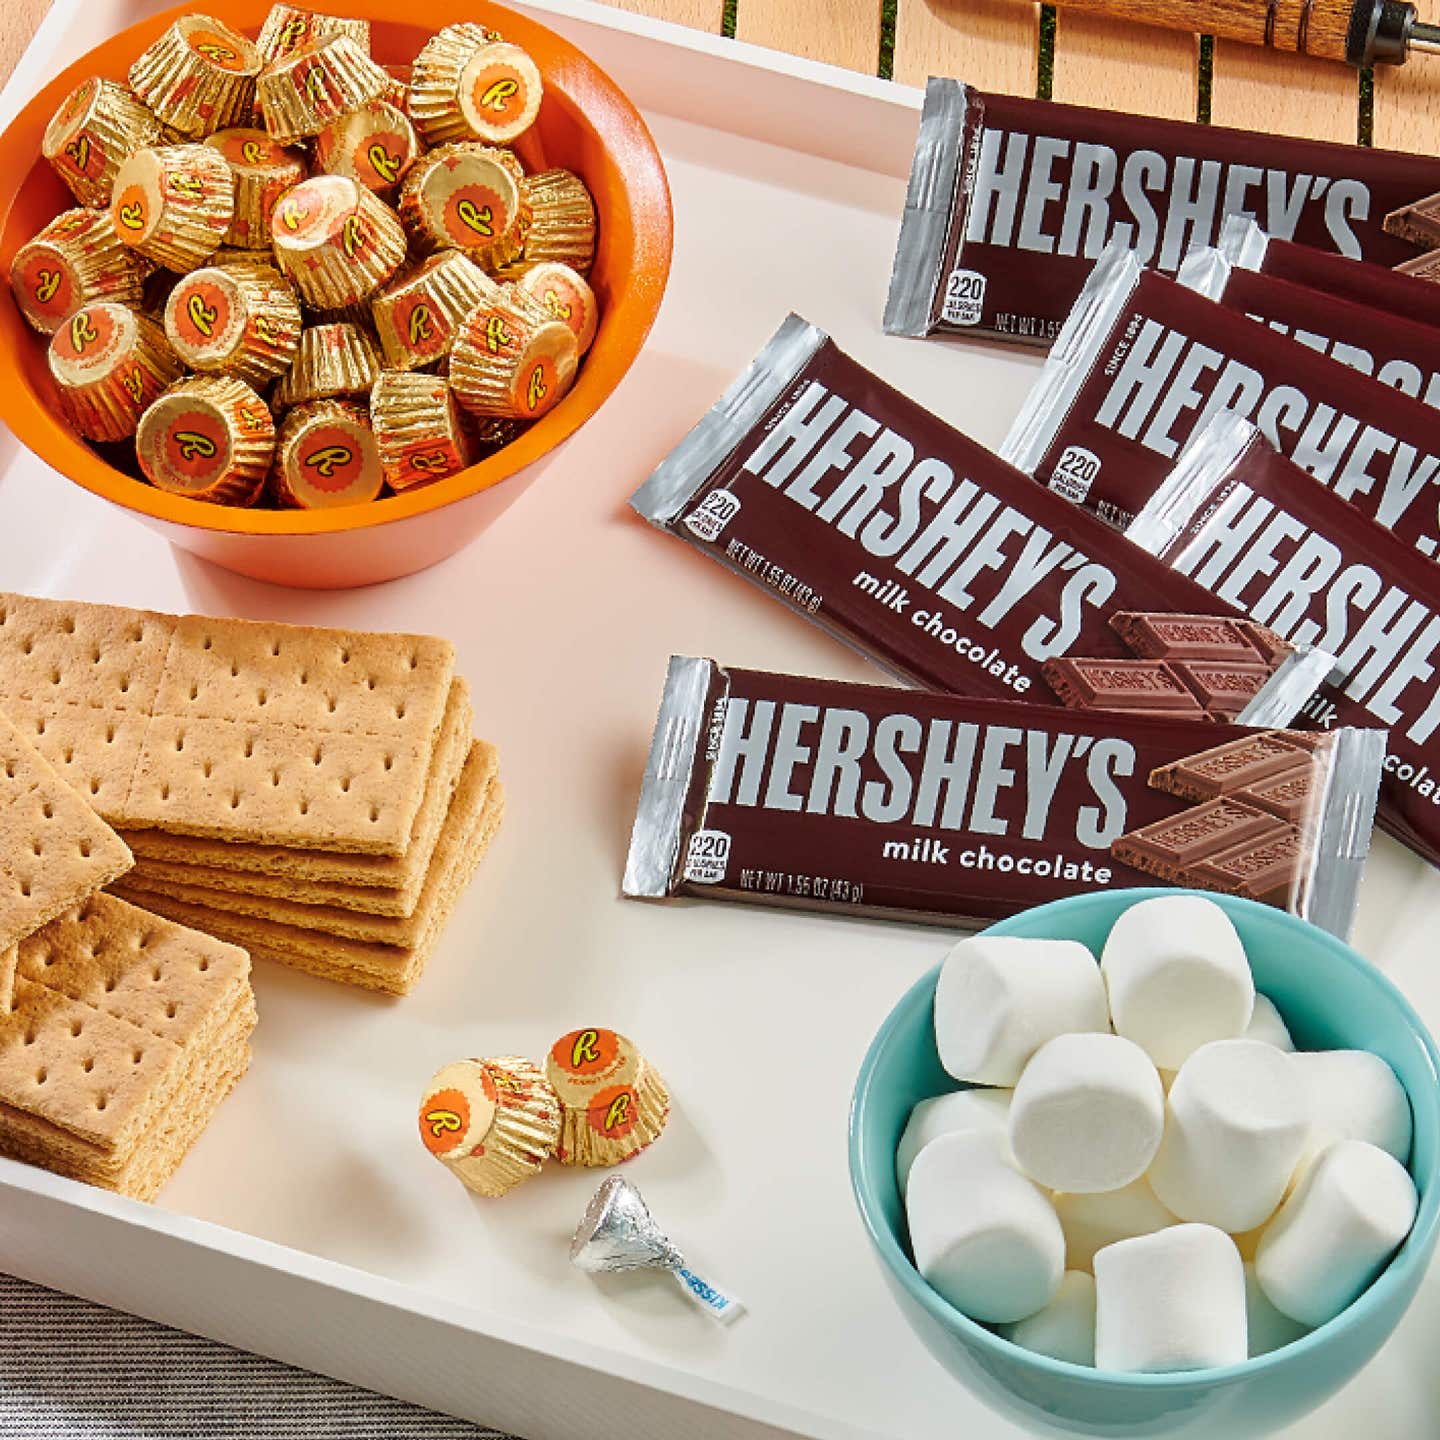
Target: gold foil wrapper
x=289 y=28
x=418 y=426
x=613 y=1102
x=198 y=77
x=303 y=92
x=110 y=363
x=561 y=224
x=92 y=133
x=469 y=197
x=240 y=319
x=336 y=241
x=418 y=313
x=566 y=296
x=375 y=145
x=512 y=358
x=208 y=438
x=173 y=204
x=467 y=84
x=75 y=259
x=331 y=360
x=326 y=456
x=264 y=170
x=397 y=92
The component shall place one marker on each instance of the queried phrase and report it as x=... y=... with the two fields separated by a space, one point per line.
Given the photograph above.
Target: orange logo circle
x=613 y=1112
x=499 y=93
x=201 y=312
x=586 y=1052
x=537 y=387
x=196 y=447
x=220 y=50
x=250 y=147
x=45 y=285
x=424 y=329
x=132 y=214
x=444 y=1119
x=86 y=336
x=475 y=215
x=380 y=159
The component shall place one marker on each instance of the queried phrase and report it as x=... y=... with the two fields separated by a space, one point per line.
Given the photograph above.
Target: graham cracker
x=240 y=730
x=382 y=885
x=393 y=969
x=8 y=960
x=54 y=850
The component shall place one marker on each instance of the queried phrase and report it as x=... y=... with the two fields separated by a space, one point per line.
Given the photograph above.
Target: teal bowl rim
x=901 y=1266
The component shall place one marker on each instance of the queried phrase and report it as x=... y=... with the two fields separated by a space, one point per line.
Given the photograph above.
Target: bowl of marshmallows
x=1151 y=1163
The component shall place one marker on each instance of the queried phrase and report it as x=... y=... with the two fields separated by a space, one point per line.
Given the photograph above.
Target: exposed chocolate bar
x=1424 y=268
x=870 y=517
x=1145 y=362
x=1222 y=687
x=1417 y=223
x=1260 y=533
x=1011 y=200
x=1288 y=796
x=1266 y=870
x=1272 y=647
x=872 y=800
x=1130 y=687
x=1235 y=766
x=1186 y=637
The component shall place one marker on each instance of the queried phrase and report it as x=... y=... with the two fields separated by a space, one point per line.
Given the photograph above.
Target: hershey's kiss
x=618 y=1233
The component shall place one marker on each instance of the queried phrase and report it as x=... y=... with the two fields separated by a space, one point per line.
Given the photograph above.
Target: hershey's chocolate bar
x=1258 y=532
x=871 y=517
x=1417 y=223
x=1010 y=200
x=1145 y=361
x=908 y=804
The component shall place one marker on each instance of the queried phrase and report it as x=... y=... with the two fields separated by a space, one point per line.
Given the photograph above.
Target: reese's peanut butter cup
x=417 y=314
x=76 y=258
x=89 y=136
x=613 y=1102
x=336 y=241
x=512 y=358
x=469 y=85
x=207 y=438
x=198 y=77
x=110 y=363
x=173 y=204
x=397 y=92
x=493 y=1123
x=336 y=359
x=289 y=28
x=264 y=170
x=559 y=224
x=418 y=428
x=465 y=196
x=240 y=319
x=326 y=456
x=301 y=93
x=375 y=145
x=566 y=296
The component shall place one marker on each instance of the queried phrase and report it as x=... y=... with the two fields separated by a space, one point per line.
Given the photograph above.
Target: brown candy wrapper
x=92 y=133
x=417 y=314
x=566 y=296
x=613 y=1102
x=560 y=227
x=241 y=319
x=375 y=145
x=467 y=196
x=198 y=77
x=264 y=171
x=110 y=363
x=418 y=428
x=289 y=28
x=303 y=92
x=326 y=456
x=512 y=358
x=336 y=241
x=173 y=204
x=469 y=85
x=332 y=360
x=208 y=438
x=492 y=1123
x=75 y=259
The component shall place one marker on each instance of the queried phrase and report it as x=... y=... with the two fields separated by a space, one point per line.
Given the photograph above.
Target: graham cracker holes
x=88 y=1064
x=41 y=1075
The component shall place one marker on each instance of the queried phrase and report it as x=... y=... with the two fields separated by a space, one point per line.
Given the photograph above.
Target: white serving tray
x=309 y=1224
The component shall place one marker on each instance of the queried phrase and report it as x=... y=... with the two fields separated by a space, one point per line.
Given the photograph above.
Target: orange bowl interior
x=586 y=125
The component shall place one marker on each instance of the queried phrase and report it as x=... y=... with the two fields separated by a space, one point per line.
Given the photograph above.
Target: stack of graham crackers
x=312 y=795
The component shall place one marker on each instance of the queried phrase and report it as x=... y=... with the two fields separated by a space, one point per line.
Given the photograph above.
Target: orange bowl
x=586 y=125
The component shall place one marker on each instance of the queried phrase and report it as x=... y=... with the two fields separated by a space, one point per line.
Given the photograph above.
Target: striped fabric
x=70 y=1370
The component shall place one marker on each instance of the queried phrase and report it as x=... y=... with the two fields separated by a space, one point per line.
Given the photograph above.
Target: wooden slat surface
x=698 y=14
x=18 y=20
x=1407 y=98
x=992 y=44
x=1104 y=62
x=1282 y=94
x=844 y=32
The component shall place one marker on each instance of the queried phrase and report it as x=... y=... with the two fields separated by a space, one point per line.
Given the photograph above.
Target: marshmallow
x=1333 y=1236
x=1065 y=1328
x=1091 y=1222
x=1236 y=1121
x=1174 y=1300
x=1088 y=1114
x=1267 y=1026
x=982 y=1235
x=1177 y=977
x=945 y=1115
x=1354 y=1095
x=1001 y=998
x=1267 y=1329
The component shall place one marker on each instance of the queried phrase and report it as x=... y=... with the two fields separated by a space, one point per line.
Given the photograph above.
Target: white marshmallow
x=1267 y=1026
x=1065 y=1328
x=1001 y=998
x=1236 y=1122
x=1333 y=1236
x=1267 y=1329
x=1088 y=1114
x=979 y=1109
x=1354 y=1095
x=983 y=1235
x=1174 y=1300
x=1091 y=1222
x=1177 y=977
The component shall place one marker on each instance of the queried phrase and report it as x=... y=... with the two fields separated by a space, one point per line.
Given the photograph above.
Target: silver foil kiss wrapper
x=618 y=1233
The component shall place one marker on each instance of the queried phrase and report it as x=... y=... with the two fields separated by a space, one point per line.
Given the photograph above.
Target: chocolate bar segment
x=1170 y=849
x=1287 y=796
x=1223 y=689
x=1424 y=267
x=1185 y=637
x=1235 y=766
x=1417 y=223
x=1132 y=687
x=1267 y=870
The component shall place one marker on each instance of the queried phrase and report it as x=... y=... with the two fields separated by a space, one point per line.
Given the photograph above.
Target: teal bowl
x=1330 y=998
